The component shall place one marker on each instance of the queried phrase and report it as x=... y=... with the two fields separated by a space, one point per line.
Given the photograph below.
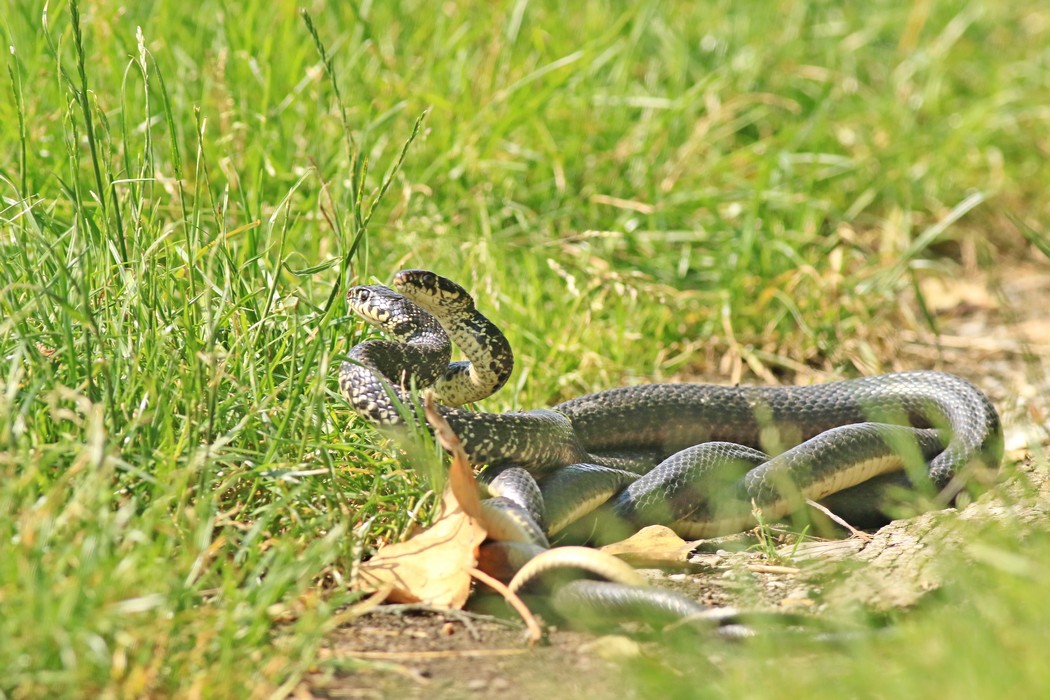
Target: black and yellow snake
x=693 y=456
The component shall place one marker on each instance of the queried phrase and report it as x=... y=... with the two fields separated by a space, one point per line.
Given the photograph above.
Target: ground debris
x=906 y=559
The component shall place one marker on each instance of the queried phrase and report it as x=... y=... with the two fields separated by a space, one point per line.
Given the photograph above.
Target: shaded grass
x=975 y=640
x=635 y=192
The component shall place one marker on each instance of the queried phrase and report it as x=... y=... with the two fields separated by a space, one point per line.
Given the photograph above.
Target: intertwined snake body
x=699 y=457
x=634 y=428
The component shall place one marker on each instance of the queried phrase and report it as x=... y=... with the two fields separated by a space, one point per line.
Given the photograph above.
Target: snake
x=704 y=459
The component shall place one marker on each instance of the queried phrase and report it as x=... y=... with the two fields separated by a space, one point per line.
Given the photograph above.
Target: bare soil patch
x=437 y=654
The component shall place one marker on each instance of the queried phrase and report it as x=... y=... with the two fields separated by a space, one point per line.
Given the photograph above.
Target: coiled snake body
x=702 y=450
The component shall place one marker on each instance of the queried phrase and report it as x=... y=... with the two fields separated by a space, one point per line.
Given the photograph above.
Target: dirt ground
x=996 y=333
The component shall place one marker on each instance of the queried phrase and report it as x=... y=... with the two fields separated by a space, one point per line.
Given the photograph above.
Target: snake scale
x=697 y=457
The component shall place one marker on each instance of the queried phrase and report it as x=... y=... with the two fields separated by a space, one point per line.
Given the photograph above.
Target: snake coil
x=698 y=457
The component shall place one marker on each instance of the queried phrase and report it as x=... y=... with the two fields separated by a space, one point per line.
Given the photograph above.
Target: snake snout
x=377 y=304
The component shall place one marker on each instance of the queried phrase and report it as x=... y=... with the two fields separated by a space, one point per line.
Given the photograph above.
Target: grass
x=635 y=191
x=975 y=641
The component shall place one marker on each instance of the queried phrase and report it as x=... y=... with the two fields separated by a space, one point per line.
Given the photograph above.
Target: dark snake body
x=787 y=444
x=636 y=427
x=667 y=418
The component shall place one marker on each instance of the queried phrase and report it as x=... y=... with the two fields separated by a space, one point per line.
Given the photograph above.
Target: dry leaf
x=434 y=567
x=653 y=545
x=460 y=475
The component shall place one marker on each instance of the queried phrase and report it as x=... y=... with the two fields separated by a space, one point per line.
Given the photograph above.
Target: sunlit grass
x=634 y=192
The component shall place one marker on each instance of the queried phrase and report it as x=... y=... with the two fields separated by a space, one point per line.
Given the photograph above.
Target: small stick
x=431 y=654
x=535 y=631
x=853 y=531
x=401 y=608
x=460 y=616
x=772 y=569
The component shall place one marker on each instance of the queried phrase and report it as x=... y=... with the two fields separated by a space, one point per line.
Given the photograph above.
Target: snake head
x=433 y=292
x=389 y=311
x=376 y=304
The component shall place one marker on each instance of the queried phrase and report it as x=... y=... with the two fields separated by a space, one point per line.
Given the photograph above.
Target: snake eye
x=364 y=294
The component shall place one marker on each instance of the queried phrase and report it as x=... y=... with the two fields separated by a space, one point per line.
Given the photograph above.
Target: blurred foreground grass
x=634 y=191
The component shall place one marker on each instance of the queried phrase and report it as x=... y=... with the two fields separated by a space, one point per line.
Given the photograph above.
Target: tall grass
x=634 y=191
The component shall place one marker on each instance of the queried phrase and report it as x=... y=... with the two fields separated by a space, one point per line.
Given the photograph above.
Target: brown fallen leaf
x=431 y=568
x=460 y=476
x=434 y=567
x=652 y=545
